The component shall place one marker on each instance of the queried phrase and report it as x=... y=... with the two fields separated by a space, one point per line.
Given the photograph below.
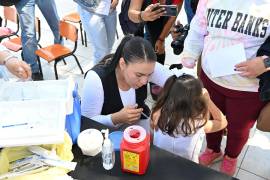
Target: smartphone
x=171 y=10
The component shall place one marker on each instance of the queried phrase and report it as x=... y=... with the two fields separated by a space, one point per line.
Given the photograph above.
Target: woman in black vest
x=115 y=90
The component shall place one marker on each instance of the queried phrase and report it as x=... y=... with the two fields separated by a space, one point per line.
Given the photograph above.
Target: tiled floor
x=254 y=160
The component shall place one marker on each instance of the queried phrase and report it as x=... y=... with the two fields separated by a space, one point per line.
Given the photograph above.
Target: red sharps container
x=135 y=150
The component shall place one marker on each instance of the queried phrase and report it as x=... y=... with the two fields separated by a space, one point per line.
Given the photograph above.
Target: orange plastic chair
x=74 y=17
x=58 y=52
x=15 y=44
x=10 y=14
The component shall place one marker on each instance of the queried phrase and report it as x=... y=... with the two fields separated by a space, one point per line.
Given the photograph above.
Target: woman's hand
x=114 y=4
x=188 y=62
x=18 y=68
x=152 y=12
x=155 y=117
x=127 y=115
x=160 y=47
x=251 y=68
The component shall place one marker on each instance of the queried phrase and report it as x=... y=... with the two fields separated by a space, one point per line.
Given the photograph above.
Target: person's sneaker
x=209 y=156
x=228 y=165
x=37 y=76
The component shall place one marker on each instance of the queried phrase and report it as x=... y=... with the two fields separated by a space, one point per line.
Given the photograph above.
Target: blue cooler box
x=73 y=121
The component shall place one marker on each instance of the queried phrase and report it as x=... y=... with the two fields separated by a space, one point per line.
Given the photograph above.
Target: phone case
x=171 y=10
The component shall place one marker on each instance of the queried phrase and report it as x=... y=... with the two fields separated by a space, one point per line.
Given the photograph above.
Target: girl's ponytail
x=163 y=97
x=167 y=88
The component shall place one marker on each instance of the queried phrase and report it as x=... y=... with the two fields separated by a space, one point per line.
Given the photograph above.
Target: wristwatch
x=266 y=62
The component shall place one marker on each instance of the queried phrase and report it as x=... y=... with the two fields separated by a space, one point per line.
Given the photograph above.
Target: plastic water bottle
x=108 y=154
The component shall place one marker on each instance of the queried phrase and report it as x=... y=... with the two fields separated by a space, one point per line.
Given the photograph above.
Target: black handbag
x=8 y=2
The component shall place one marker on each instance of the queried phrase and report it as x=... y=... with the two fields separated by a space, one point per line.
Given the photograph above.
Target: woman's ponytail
x=118 y=53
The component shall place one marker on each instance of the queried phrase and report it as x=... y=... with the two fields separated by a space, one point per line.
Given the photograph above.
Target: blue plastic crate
x=73 y=121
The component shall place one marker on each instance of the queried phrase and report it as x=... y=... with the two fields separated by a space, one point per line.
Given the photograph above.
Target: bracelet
x=140 y=17
x=6 y=59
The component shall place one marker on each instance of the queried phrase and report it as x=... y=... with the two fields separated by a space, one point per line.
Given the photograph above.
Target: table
x=162 y=165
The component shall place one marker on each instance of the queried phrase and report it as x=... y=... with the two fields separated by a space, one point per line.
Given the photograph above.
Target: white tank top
x=188 y=147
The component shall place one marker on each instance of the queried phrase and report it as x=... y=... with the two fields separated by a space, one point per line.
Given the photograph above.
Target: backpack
x=128 y=26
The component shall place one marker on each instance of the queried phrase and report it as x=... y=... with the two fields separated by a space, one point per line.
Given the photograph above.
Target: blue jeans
x=101 y=30
x=26 y=11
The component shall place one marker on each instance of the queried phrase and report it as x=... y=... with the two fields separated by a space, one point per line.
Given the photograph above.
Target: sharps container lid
x=134 y=134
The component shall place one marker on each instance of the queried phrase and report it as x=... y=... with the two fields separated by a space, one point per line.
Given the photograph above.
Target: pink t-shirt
x=218 y=24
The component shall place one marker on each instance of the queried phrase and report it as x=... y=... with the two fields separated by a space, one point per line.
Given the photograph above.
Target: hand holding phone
x=152 y=12
x=170 y=10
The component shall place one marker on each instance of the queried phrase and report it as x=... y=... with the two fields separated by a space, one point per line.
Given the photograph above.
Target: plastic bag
x=8 y=155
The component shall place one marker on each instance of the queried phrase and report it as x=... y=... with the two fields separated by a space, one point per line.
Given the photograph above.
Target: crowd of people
x=187 y=109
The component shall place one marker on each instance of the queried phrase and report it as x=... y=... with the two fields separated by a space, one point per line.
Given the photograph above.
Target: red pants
x=241 y=109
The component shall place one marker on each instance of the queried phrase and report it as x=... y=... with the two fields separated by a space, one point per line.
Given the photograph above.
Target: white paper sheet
x=222 y=61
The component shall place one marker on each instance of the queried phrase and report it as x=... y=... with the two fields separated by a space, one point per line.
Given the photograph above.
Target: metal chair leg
x=22 y=55
x=81 y=32
x=55 y=69
x=85 y=39
x=76 y=59
x=39 y=65
x=64 y=61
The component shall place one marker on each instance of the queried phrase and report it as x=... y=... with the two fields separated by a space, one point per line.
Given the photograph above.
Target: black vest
x=112 y=100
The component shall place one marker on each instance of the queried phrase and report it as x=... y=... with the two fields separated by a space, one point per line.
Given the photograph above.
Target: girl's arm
x=219 y=121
